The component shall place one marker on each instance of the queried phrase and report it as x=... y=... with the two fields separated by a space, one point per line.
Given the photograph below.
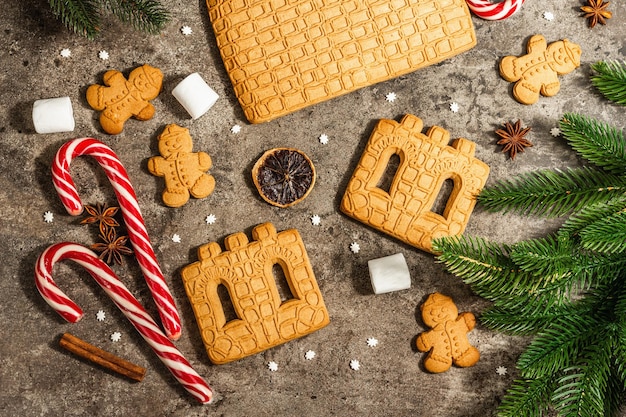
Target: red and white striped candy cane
x=494 y=11
x=132 y=309
x=131 y=214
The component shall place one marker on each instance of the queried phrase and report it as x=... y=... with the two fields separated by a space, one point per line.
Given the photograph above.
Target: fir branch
x=525 y=320
x=606 y=234
x=483 y=265
x=553 y=193
x=620 y=330
x=562 y=268
x=549 y=257
x=610 y=79
x=79 y=16
x=527 y=398
x=147 y=15
x=598 y=142
x=616 y=392
x=590 y=214
x=583 y=390
x=599 y=269
x=567 y=396
x=619 y=365
x=558 y=346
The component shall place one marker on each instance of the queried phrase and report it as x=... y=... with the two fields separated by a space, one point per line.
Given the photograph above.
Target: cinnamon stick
x=101 y=357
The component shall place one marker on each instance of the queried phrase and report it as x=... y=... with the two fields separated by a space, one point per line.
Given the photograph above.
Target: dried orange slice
x=283 y=176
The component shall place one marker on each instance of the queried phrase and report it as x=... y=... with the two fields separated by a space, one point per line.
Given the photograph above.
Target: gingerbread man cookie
x=537 y=72
x=447 y=342
x=120 y=99
x=183 y=170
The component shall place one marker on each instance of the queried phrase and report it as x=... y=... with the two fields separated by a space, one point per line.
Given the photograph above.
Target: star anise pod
x=513 y=138
x=101 y=214
x=595 y=11
x=113 y=247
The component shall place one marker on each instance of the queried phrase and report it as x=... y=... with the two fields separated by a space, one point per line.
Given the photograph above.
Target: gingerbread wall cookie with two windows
x=405 y=209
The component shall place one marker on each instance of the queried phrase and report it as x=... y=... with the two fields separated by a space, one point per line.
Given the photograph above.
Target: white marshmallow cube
x=390 y=273
x=53 y=115
x=195 y=95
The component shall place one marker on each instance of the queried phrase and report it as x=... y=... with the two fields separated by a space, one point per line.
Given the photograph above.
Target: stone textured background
x=39 y=379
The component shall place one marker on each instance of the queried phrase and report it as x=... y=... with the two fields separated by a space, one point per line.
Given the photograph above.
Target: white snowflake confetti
x=66 y=52
x=454 y=107
x=372 y=342
x=103 y=55
x=555 y=131
x=323 y=138
x=355 y=247
x=549 y=16
x=316 y=220
x=101 y=315
x=186 y=30
x=176 y=238
x=501 y=370
x=235 y=129
x=355 y=365
x=116 y=336
x=272 y=366
x=48 y=217
x=210 y=219
x=309 y=355
x=391 y=97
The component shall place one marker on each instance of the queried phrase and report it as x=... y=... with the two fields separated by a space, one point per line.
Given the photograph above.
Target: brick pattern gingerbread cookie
x=447 y=341
x=184 y=171
x=282 y=56
x=537 y=72
x=426 y=161
x=245 y=269
x=120 y=99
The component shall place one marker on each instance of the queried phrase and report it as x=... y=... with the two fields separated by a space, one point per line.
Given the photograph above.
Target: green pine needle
x=563 y=268
x=557 y=347
x=590 y=214
x=610 y=79
x=599 y=143
x=80 y=16
x=549 y=257
x=606 y=235
x=83 y=16
x=527 y=398
x=526 y=319
x=582 y=391
x=553 y=193
x=483 y=265
x=615 y=392
x=147 y=15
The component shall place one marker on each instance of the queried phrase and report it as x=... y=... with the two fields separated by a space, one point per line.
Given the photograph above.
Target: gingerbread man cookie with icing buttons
x=537 y=72
x=120 y=99
x=184 y=171
x=447 y=341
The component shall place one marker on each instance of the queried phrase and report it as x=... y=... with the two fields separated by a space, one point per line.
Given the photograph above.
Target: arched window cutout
x=386 y=180
x=439 y=206
x=282 y=285
x=227 y=303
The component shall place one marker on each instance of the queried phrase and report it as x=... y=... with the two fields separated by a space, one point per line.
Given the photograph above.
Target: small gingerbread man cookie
x=537 y=72
x=183 y=170
x=447 y=342
x=120 y=99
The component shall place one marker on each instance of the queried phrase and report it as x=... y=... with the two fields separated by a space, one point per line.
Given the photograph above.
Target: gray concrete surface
x=39 y=379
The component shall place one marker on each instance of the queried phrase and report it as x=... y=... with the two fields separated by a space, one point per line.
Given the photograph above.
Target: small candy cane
x=131 y=214
x=494 y=11
x=125 y=301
